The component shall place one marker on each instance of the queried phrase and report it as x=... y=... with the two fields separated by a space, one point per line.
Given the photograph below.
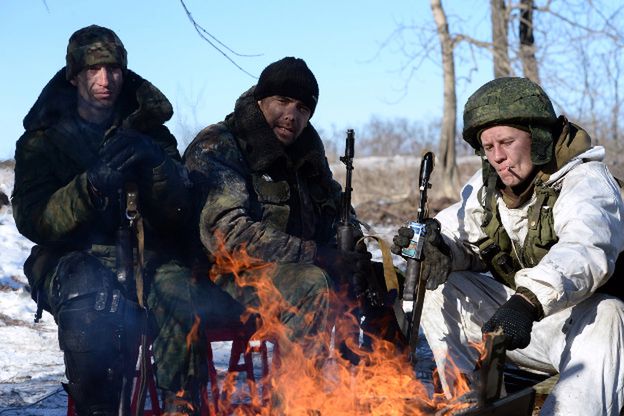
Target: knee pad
x=79 y=274
x=98 y=328
x=90 y=306
x=99 y=348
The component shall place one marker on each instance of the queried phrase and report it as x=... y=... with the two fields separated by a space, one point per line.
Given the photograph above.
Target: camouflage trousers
x=302 y=289
x=100 y=320
x=178 y=302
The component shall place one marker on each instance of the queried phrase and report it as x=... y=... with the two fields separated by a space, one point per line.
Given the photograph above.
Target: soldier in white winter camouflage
x=531 y=249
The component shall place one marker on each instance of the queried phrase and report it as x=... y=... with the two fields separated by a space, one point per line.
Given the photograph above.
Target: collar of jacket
x=262 y=149
x=141 y=105
x=570 y=141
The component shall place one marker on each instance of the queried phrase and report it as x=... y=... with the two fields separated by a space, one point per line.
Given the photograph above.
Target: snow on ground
x=31 y=363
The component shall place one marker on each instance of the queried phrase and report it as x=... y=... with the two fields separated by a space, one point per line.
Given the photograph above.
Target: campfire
x=324 y=383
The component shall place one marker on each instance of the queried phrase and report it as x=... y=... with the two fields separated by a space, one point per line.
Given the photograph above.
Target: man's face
x=99 y=86
x=508 y=150
x=286 y=116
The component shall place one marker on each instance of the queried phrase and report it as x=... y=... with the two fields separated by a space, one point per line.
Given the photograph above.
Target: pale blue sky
x=339 y=40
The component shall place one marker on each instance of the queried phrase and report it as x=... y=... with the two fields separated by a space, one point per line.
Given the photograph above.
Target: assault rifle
x=362 y=290
x=414 y=289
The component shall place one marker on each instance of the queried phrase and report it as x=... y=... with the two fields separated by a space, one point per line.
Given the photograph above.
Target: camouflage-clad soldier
x=96 y=127
x=262 y=181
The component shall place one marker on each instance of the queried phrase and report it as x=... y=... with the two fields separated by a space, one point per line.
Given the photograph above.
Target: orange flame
x=193 y=336
x=383 y=383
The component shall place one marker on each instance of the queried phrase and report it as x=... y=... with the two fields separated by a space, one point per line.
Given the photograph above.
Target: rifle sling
x=136 y=224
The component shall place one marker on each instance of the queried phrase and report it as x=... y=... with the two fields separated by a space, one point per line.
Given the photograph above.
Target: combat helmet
x=512 y=101
x=94 y=45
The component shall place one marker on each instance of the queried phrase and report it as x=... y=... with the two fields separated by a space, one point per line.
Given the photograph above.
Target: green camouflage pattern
x=51 y=161
x=512 y=101
x=52 y=206
x=303 y=286
x=276 y=202
x=571 y=142
x=94 y=45
x=256 y=195
x=175 y=301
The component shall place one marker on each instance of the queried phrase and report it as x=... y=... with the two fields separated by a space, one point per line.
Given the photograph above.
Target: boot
x=83 y=405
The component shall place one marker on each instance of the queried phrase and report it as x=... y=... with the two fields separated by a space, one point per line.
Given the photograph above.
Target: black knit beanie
x=289 y=77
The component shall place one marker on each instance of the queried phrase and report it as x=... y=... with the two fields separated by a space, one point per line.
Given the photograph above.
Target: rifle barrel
x=414 y=288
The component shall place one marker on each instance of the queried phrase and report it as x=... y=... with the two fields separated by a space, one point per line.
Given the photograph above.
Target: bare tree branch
x=499 y=16
x=446 y=155
x=462 y=37
x=576 y=23
x=203 y=32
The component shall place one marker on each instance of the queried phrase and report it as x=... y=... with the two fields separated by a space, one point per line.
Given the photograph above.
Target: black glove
x=344 y=266
x=515 y=317
x=128 y=149
x=436 y=253
x=104 y=182
x=401 y=240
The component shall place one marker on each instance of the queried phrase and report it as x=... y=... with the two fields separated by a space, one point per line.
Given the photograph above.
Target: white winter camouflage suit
x=582 y=334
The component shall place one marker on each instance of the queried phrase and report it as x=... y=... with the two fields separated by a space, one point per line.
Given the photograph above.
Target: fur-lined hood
x=262 y=149
x=140 y=105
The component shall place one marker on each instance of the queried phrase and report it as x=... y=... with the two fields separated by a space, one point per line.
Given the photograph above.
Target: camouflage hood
x=262 y=149
x=570 y=142
x=141 y=105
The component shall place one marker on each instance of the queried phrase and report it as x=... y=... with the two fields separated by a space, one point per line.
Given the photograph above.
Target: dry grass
x=385 y=189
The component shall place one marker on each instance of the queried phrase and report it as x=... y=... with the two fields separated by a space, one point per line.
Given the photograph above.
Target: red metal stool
x=151 y=389
x=242 y=345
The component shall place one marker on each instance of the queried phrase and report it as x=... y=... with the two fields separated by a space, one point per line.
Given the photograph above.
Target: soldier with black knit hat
x=263 y=182
x=532 y=249
x=96 y=130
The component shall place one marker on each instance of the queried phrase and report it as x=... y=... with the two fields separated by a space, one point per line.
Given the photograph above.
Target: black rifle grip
x=412 y=274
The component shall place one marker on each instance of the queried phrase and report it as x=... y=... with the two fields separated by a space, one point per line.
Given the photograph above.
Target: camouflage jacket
x=51 y=202
x=252 y=191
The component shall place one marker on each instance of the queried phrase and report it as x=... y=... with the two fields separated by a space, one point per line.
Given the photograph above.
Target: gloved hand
x=129 y=148
x=344 y=266
x=104 y=182
x=436 y=253
x=515 y=317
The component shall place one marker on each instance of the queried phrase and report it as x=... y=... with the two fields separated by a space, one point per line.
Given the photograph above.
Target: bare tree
x=614 y=77
x=398 y=136
x=572 y=48
x=500 y=29
x=446 y=154
x=186 y=117
x=527 y=41
x=219 y=46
